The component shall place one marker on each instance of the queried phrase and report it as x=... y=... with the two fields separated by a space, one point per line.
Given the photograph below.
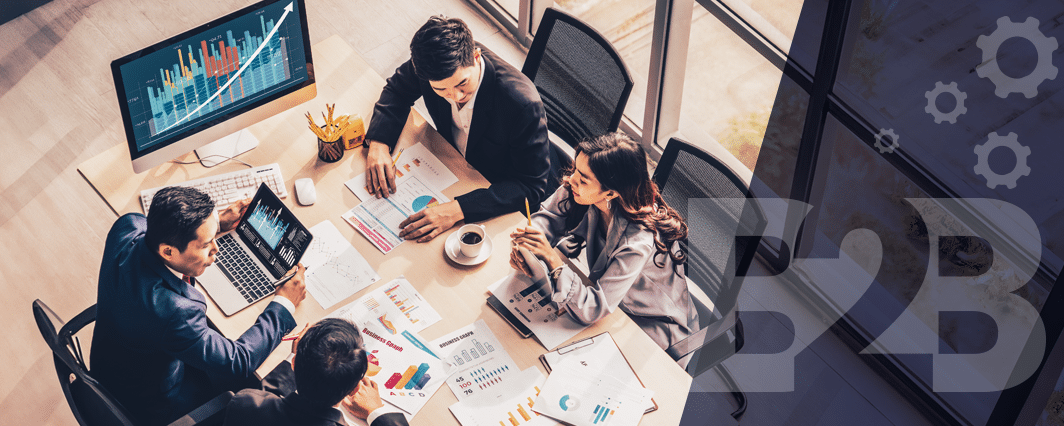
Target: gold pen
x=397 y=156
x=528 y=212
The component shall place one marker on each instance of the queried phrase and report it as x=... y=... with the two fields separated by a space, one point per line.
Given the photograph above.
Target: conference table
x=457 y=292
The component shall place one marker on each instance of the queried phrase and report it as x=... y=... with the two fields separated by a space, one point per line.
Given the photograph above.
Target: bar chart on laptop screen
x=267 y=222
x=204 y=76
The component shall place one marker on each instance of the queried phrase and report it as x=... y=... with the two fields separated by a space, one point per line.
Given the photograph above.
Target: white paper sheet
x=378 y=218
x=510 y=405
x=396 y=305
x=335 y=270
x=414 y=161
x=573 y=396
x=478 y=361
x=531 y=304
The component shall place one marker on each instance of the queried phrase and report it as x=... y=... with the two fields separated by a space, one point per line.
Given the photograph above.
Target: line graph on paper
x=335 y=270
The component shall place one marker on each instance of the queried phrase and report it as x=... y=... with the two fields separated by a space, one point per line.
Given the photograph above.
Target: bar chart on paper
x=508 y=406
x=239 y=63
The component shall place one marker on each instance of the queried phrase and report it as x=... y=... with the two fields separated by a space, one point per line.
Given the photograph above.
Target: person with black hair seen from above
x=490 y=112
x=609 y=205
x=328 y=366
x=152 y=347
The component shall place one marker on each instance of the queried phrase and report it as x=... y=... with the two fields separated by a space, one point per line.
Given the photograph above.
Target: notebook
x=252 y=258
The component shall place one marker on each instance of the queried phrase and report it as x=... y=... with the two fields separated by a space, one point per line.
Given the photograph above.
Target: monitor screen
x=214 y=80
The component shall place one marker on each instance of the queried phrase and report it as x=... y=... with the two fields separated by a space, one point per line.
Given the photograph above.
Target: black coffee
x=471 y=238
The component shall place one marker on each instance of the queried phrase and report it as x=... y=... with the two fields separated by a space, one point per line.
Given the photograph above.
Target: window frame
x=665 y=81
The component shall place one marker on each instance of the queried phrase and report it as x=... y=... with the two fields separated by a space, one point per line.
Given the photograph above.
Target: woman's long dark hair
x=620 y=165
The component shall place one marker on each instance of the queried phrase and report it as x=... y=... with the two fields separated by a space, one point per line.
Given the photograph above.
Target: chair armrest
x=212 y=408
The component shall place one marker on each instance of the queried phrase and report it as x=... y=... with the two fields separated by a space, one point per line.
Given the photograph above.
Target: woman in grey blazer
x=609 y=205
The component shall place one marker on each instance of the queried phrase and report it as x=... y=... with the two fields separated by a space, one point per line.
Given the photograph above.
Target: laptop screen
x=270 y=230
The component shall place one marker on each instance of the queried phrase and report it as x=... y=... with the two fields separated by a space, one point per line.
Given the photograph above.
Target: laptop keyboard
x=242 y=270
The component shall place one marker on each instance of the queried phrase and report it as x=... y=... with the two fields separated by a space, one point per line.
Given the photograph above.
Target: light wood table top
x=457 y=292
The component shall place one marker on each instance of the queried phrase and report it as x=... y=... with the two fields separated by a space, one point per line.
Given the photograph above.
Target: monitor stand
x=223 y=149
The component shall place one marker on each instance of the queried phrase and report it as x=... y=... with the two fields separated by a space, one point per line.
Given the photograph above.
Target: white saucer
x=453 y=251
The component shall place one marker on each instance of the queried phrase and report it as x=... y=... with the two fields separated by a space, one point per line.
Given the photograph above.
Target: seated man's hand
x=380 y=173
x=364 y=399
x=230 y=216
x=295 y=289
x=431 y=222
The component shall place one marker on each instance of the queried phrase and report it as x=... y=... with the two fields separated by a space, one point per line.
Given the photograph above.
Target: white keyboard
x=227 y=188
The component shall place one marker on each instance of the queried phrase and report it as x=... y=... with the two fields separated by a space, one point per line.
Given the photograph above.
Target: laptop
x=251 y=258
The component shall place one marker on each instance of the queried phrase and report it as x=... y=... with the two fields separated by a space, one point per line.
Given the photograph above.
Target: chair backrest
x=581 y=78
x=688 y=177
x=91 y=404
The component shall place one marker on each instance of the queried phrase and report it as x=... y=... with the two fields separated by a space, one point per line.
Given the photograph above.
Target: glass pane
x=512 y=7
x=899 y=55
x=731 y=100
x=862 y=190
x=628 y=25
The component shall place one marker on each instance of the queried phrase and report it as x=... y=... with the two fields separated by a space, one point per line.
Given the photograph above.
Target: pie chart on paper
x=568 y=403
x=425 y=201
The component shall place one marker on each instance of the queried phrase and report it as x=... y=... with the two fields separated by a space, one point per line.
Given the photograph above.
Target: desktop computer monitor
x=200 y=89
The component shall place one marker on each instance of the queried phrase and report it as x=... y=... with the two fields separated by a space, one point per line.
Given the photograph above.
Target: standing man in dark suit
x=152 y=347
x=328 y=369
x=484 y=107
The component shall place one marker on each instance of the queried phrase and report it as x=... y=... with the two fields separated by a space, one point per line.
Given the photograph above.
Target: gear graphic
x=1021 y=152
x=940 y=116
x=1044 y=70
x=884 y=147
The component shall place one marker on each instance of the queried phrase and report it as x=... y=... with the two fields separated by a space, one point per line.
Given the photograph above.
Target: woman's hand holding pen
x=536 y=242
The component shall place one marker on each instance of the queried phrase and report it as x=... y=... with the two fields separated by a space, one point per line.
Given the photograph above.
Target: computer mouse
x=305 y=193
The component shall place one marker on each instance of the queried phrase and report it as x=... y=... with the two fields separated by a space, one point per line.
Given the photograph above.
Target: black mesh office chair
x=686 y=174
x=581 y=78
x=91 y=404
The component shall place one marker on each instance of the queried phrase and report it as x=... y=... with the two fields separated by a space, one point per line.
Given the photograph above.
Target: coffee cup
x=471 y=239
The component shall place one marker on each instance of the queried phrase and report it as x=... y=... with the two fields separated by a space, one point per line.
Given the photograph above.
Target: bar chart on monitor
x=238 y=63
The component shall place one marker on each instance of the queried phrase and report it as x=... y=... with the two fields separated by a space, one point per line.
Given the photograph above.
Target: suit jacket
x=253 y=407
x=623 y=274
x=507 y=136
x=152 y=347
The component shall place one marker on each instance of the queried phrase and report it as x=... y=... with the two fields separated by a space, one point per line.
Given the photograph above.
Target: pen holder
x=356 y=134
x=330 y=151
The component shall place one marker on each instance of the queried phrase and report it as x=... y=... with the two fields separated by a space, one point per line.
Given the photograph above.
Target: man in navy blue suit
x=152 y=347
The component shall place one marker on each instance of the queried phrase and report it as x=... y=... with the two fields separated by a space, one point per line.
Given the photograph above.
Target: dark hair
x=620 y=165
x=330 y=361
x=440 y=47
x=176 y=213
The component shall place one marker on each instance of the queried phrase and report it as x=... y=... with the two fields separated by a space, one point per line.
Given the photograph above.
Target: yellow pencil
x=528 y=212
x=397 y=157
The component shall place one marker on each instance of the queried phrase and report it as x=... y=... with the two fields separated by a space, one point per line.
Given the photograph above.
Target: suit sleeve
x=193 y=342
x=392 y=108
x=390 y=419
x=529 y=161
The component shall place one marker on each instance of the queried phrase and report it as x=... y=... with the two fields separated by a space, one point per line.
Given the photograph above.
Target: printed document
x=414 y=161
x=378 y=218
x=335 y=270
